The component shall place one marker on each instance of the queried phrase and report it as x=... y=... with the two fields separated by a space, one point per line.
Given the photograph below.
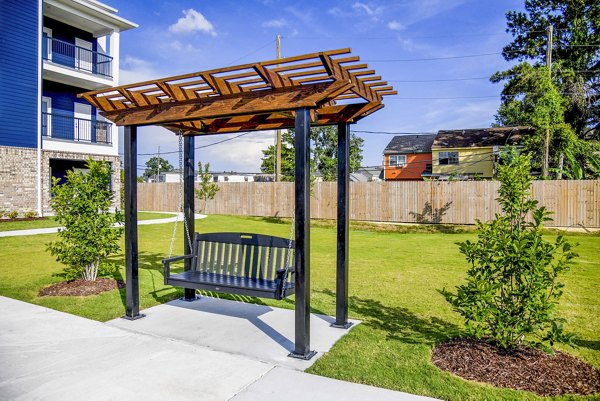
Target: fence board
x=574 y=203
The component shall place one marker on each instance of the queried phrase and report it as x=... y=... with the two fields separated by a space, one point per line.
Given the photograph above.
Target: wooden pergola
x=325 y=88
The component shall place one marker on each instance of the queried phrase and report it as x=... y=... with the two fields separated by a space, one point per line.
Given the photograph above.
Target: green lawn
x=49 y=222
x=393 y=281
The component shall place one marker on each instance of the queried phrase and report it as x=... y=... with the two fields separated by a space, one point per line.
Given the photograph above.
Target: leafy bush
x=30 y=215
x=82 y=206
x=207 y=189
x=12 y=214
x=512 y=289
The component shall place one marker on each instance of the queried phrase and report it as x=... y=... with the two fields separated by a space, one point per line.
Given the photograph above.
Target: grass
x=48 y=222
x=393 y=281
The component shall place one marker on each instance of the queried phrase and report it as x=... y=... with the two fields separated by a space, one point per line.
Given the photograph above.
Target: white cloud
x=335 y=11
x=275 y=23
x=193 y=21
x=358 y=6
x=133 y=69
x=395 y=26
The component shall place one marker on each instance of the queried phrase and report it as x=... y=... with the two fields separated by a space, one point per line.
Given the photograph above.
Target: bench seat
x=237 y=263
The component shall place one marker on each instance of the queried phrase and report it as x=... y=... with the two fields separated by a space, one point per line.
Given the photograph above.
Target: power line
x=437 y=80
x=251 y=53
x=200 y=147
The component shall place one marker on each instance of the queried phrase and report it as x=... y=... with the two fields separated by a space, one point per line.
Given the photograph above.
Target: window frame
x=449 y=159
x=397 y=163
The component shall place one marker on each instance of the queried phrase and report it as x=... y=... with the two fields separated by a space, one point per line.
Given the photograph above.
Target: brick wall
x=52 y=154
x=18 y=179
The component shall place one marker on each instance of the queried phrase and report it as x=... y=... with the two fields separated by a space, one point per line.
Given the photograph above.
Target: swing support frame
x=325 y=88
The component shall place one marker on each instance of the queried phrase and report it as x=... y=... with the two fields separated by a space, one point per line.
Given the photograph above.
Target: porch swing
x=233 y=263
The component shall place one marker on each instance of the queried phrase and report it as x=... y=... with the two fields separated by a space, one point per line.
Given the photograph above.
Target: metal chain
x=181 y=193
x=287 y=258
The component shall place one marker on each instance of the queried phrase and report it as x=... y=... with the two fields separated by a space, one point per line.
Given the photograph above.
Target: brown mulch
x=81 y=287
x=7 y=220
x=526 y=369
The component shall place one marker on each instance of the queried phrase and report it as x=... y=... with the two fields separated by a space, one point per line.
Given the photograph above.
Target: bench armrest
x=280 y=272
x=167 y=263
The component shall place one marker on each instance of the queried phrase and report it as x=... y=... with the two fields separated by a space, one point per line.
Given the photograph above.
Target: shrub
x=30 y=215
x=82 y=206
x=12 y=214
x=207 y=189
x=512 y=289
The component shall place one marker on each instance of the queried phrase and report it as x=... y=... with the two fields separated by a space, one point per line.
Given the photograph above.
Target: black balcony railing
x=70 y=128
x=70 y=55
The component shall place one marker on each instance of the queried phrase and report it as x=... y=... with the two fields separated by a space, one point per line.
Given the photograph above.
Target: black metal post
x=343 y=192
x=302 y=251
x=132 y=290
x=188 y=207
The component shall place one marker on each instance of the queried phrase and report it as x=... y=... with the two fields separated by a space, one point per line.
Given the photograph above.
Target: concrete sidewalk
x=50 y=355
x=50 y=230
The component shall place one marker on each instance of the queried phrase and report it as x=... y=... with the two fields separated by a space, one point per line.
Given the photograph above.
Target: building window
x=448 y=158
x=398 y=160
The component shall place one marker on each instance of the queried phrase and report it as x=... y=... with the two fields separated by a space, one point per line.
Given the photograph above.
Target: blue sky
x=413 y=44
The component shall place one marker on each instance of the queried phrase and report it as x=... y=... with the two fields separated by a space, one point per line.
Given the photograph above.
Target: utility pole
x=278 y=144
x=545 y=162
x=157 y=179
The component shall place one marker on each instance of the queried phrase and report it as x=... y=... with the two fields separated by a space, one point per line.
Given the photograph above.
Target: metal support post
x=132 y=290
x=302 y=251
x=341 y=297
x=188 y=208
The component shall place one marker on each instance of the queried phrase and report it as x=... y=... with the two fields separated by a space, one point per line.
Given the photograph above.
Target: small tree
x=207 y=188
x=156 y=165
x=82 y=206
x=512 y=289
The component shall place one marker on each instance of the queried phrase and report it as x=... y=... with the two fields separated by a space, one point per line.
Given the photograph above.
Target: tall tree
x=323 y=154
x=156 y=165
x=575 y=56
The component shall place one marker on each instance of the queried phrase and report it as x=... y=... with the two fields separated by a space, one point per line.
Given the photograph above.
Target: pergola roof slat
x=251 y=96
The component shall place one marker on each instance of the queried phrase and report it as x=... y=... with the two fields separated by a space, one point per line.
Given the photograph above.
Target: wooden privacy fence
x=459 y=202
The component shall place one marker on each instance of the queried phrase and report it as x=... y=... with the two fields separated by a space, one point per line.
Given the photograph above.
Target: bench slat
x=237 y=263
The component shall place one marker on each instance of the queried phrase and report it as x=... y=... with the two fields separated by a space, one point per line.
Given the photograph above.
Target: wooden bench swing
x=325 y=88
x=254 y=265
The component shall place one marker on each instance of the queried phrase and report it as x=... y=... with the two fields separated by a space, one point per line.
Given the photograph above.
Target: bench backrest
x=241 y=254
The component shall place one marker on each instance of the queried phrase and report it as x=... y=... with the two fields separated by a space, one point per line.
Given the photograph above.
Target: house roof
x=480 y=137
x=408 y=144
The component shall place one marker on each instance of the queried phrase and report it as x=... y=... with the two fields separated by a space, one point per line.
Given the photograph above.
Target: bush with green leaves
x=207 y=189
x=512 y=290
x=12 y=214
x=82 y=205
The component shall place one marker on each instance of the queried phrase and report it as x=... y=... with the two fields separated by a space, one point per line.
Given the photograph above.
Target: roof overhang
x=88 y=15
x=250 y=97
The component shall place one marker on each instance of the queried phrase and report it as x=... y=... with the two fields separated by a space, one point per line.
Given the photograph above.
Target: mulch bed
x=525 y=369
x=81 y=287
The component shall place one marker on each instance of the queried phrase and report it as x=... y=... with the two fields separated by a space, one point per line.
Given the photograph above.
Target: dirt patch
x=81 y=287
x=526 y=369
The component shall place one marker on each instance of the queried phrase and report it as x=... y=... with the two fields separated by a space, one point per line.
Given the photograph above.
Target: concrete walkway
x=50 y=355
x=50 y=230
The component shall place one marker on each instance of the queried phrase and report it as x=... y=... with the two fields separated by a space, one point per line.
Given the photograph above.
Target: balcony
x=69 y=55
x=58 y=126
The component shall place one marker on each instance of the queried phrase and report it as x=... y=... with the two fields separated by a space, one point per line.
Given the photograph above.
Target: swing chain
x=181 y=191
x=287 y=257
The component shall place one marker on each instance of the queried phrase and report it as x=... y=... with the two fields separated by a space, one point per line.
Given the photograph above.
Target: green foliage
x=30 y=215
x=539 y=105
x=155 y=165
x=512 y=290
x=207 y=189
x=575 y=63
x=323 y=154
x=82 y=206
x=13 y=214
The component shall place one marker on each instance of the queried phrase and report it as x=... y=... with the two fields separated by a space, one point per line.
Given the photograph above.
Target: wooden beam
x=259 y=102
